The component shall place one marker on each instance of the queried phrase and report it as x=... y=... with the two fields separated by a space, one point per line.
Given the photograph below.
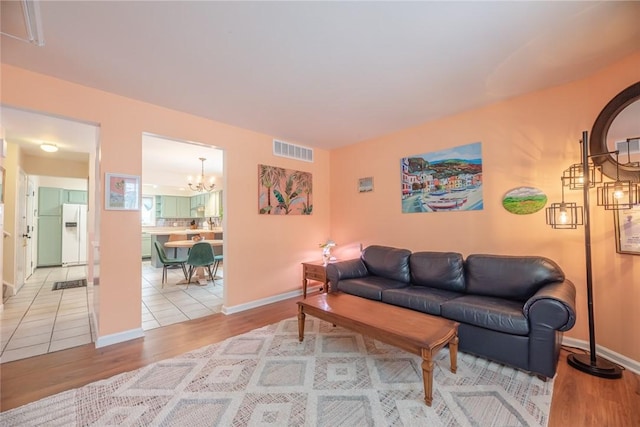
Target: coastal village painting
x=284 y=191
x=447 y=180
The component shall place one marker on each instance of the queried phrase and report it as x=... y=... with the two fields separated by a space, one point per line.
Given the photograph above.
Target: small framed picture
x=122 y=192
x=365 y=184
x=627 y=226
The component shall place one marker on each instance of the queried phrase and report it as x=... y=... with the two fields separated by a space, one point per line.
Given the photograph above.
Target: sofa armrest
x=343 y=270
x=553 y=305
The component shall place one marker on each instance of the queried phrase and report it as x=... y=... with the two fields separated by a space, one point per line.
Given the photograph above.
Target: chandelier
x=201 y=185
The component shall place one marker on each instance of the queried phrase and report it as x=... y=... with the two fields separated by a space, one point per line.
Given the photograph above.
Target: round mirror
x=618 y=128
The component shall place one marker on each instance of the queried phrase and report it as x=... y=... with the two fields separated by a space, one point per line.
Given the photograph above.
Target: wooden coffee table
x=415 y=332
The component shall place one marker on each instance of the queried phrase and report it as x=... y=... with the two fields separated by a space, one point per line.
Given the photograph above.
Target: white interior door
x=30 y=249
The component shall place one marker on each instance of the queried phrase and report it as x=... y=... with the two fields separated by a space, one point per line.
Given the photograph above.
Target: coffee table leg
x=301 y=317
x=453 y=354
x=427 y=376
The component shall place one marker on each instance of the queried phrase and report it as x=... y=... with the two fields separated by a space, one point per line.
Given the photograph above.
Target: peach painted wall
x=262 y=253
x=526 y=141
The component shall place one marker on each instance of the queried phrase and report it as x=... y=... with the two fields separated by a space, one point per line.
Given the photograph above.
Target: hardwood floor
x=578 y=399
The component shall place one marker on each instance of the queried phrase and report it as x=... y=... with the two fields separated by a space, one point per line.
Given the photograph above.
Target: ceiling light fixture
x=48 y=147
x=201 y=185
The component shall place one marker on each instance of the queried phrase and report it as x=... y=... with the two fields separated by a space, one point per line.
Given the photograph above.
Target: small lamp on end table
x=326 y=250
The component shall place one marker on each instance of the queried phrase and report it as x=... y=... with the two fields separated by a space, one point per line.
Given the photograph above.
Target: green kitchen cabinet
x=158 y=201
x=199 y=205
x=146 y=245
x=75 y=196
x=50 y=201
x=183 y=207
x=175 y=207
x=49 y=241
x=168 y=207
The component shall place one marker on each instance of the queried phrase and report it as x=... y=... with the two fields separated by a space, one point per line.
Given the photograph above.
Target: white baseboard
x=265 y=301
x=119 y=337
x=627 y=363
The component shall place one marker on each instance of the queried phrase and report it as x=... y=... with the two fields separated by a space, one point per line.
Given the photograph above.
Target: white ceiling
x=168 y=163
x=324 y=74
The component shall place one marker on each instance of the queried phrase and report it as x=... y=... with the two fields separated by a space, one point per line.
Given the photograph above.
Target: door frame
x=30 y=256
x=22 y=236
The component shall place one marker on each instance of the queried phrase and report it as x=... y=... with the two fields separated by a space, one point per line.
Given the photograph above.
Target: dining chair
x=174 y=237
x=169 y=262
x=201 y=255
x=217 y=259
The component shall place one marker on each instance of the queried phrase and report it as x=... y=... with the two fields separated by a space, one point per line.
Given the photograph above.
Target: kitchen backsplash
x=169 y=222
x=186 y=222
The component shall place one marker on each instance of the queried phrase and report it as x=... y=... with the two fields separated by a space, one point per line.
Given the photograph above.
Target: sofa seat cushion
x=497 y=314
x=419 y=298
x=370 y=287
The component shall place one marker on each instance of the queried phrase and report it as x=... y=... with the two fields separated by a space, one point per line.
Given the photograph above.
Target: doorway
x=34 y=315
x=166 y=165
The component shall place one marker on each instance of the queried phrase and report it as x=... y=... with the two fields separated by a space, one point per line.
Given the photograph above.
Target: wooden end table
x=314 y=270
x=413 y=331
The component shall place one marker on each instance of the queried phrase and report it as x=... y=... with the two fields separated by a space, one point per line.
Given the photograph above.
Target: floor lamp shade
x=565 y=215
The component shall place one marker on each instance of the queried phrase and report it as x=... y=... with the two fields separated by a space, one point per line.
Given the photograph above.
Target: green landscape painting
x=524 y=200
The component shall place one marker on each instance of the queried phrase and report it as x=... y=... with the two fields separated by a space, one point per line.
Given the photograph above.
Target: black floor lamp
x=611 y=195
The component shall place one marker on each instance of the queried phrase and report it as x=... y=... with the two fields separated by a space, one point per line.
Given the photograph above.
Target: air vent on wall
x=633 y=146
x=292 y=151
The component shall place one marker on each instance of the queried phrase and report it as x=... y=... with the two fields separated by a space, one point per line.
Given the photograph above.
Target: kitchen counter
x=162 y=234
x=165 y=231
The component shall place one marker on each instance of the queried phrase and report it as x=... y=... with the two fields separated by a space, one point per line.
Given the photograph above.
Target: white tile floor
x=176 y=303
x=38 y=320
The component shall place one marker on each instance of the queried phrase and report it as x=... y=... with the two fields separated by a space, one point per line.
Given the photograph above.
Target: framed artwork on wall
x=284 y=191
x=441 y=181
x=365 y=185
x=122 y=192
x=524 y=200
x=627 y=227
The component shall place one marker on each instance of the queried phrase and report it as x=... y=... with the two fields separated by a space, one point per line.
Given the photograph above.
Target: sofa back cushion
x=384 y=261
x=511 y=277
x=442 y=270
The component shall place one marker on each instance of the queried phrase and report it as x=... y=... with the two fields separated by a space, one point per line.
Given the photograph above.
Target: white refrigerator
x=74 y=234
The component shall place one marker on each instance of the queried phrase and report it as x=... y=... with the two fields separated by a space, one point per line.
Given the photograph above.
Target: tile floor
x=38 y=320
x=176 y=303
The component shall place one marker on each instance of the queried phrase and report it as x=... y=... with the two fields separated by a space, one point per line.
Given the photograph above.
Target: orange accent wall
x=526 y=141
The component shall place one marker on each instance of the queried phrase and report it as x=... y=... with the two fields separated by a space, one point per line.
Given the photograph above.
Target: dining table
x=190 y=242
x=200 y=274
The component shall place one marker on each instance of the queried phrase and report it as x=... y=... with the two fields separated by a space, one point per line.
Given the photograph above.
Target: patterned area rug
x=69 y=284
x=267 y=378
